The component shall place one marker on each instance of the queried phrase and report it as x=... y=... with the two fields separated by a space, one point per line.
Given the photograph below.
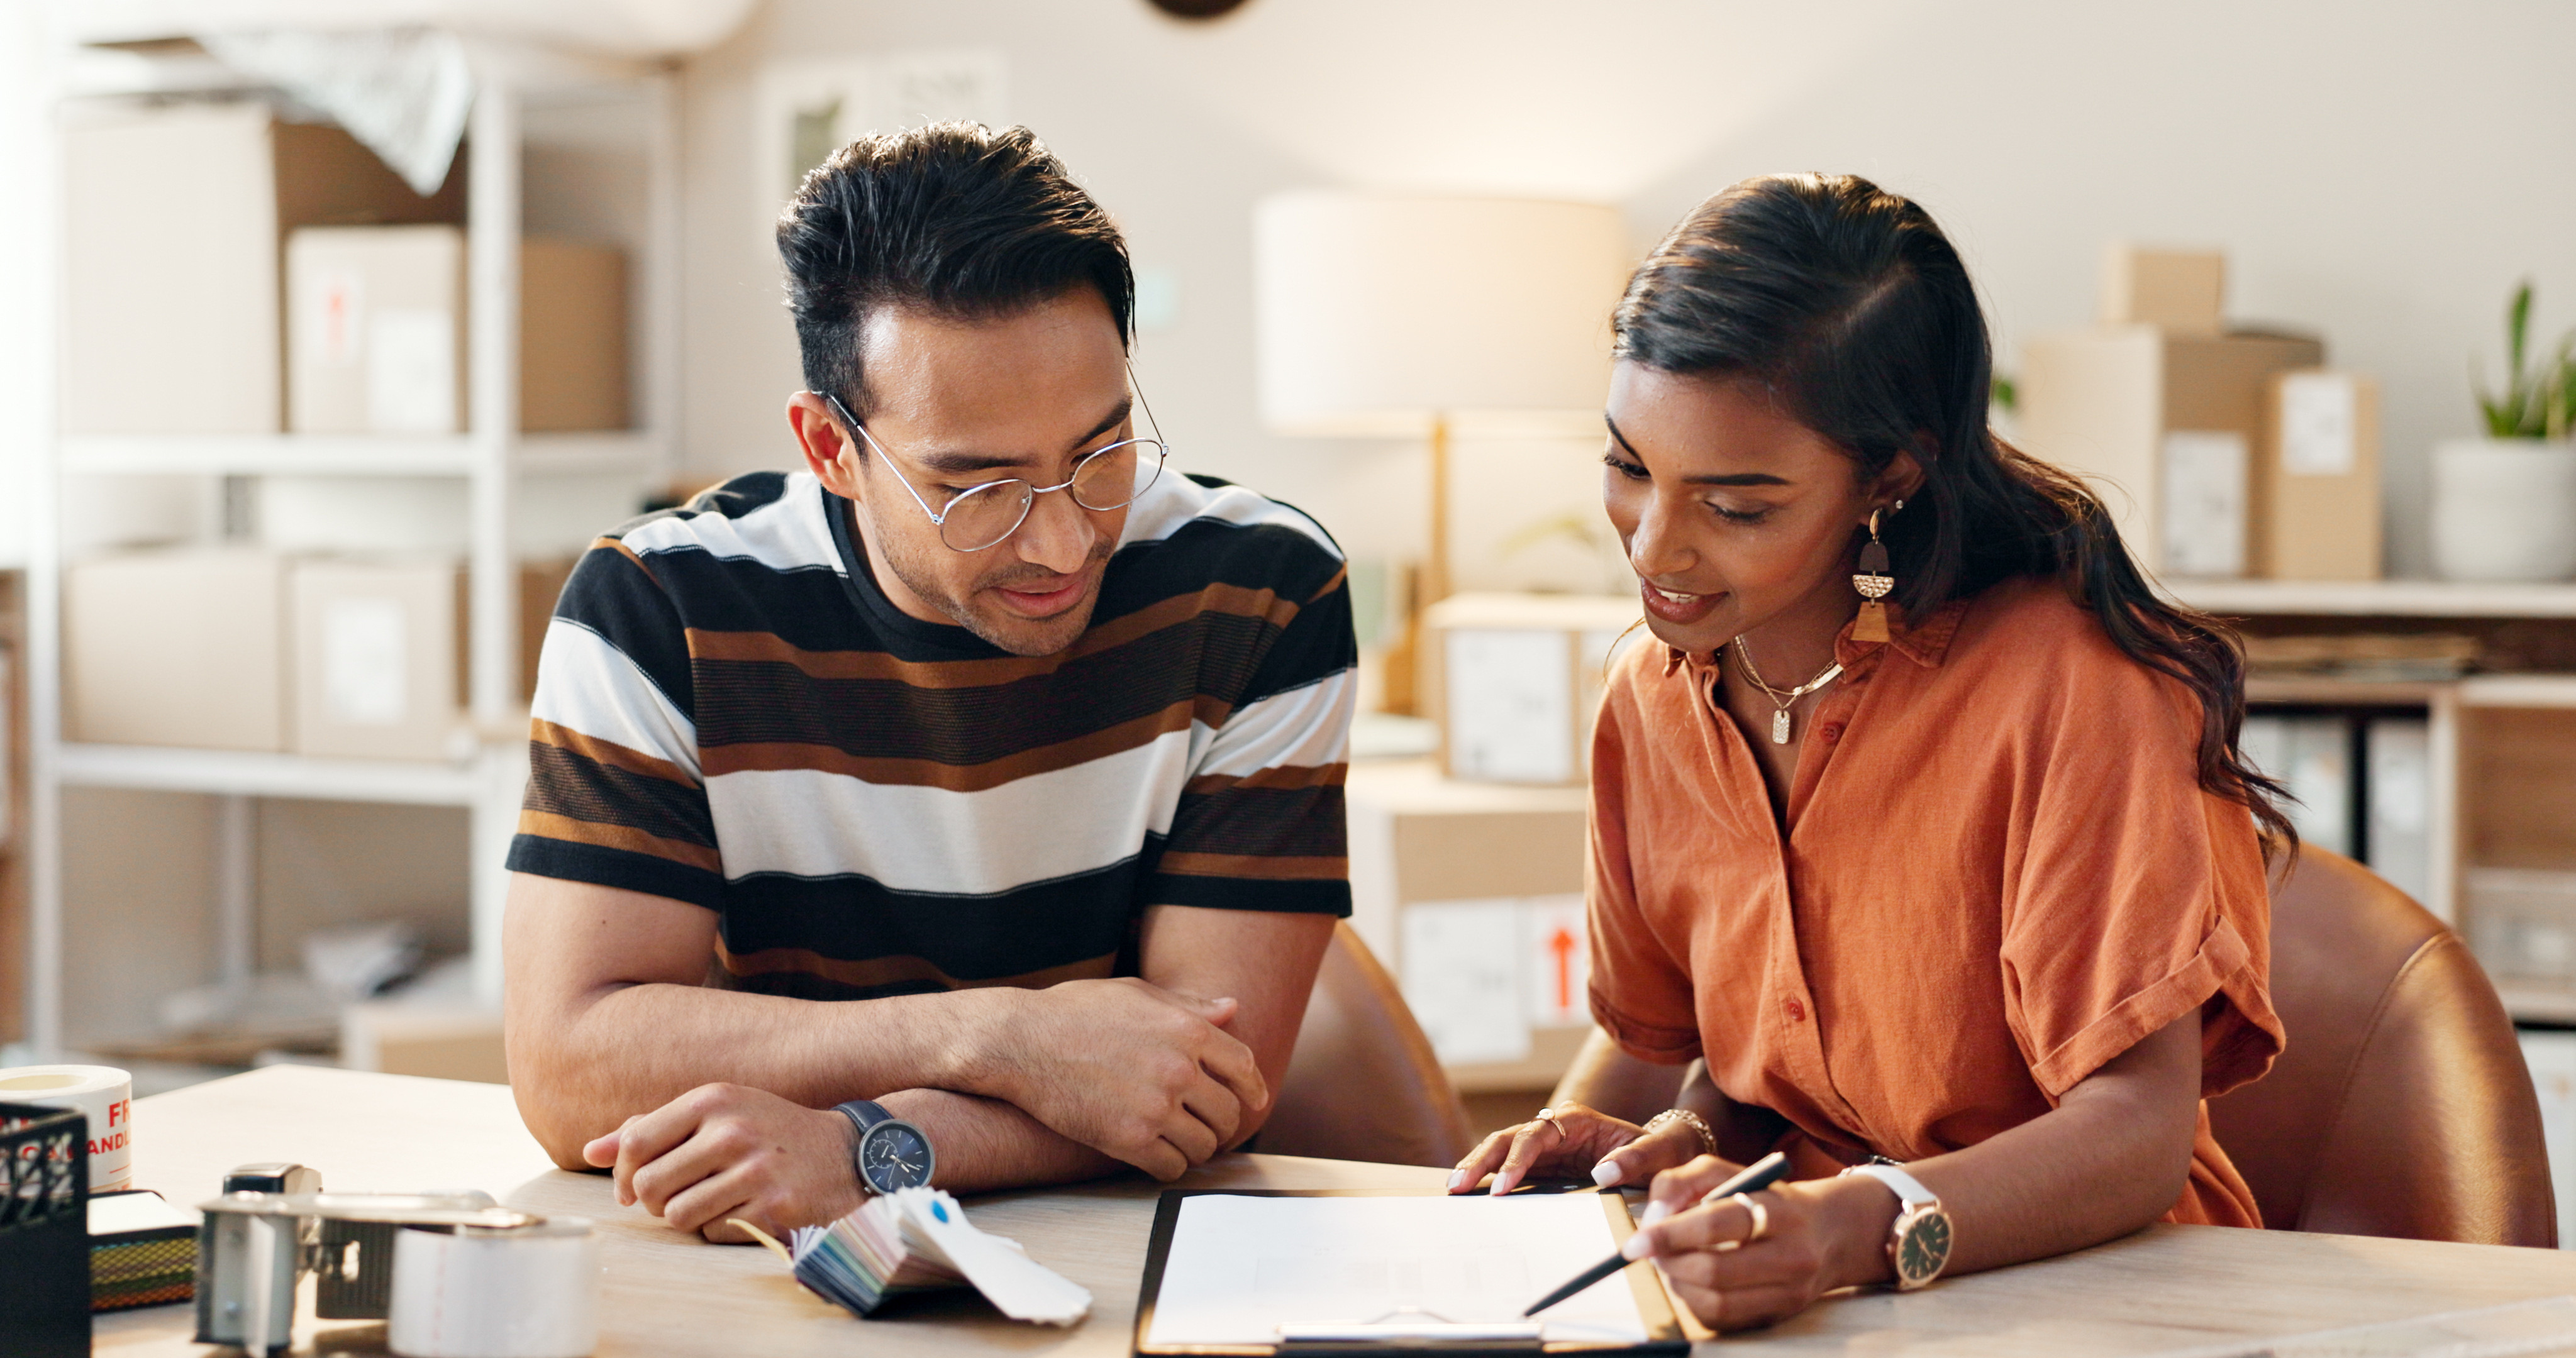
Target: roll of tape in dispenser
x=103 y=1094
x=481 y=1292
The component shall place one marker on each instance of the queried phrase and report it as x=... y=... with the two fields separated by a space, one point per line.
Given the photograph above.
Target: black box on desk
x=44 y=1231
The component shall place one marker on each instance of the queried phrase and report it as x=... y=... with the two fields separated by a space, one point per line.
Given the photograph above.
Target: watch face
x=894 y=1155
x=1924 y=1248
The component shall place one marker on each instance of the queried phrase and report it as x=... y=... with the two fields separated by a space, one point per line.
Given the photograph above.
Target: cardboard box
x=1514 y=680
x=377 y=321
x=172 y=218
x=378 y=658
x=2181 y=292
x=170 y=274
x=1472 y=893
x=376 y=330
x=439 y=1042
x=2150 y=419
x=2316 y=503
x=572 y=337
x=179 y=647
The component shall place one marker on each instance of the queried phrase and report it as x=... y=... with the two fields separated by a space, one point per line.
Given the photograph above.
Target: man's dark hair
x=956 y=218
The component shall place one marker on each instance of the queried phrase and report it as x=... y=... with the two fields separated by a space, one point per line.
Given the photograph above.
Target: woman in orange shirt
x=1958 y=897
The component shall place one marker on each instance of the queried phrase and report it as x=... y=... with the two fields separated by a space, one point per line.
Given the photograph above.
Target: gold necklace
x=1779 y=700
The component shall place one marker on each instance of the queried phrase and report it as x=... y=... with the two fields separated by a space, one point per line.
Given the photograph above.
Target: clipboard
x=1418 y=1333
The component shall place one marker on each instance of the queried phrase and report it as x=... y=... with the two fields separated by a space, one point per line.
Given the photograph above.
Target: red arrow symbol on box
x=1561 y=943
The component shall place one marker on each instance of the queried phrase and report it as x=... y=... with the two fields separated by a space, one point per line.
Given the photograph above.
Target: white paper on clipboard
x=1239 y=1267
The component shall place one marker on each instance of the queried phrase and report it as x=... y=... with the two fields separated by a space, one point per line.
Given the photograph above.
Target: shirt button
x=1829 y=732
x=1797 y=1012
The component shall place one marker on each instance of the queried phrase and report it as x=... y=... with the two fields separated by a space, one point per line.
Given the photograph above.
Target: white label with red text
x=105 y=1097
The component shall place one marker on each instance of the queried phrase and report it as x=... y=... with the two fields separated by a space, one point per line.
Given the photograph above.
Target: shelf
x=2376 y=598
x=2537 y=1002
x=2479 y=690
x=243 y=773
x=2327 y=691
x=2518 y=690
x=352 y=455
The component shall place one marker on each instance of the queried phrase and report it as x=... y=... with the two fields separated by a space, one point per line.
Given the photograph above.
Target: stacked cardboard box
x=1472 y=893
x=242 y=649
x=376 y=319
x=177 y=221
x=2220 y=452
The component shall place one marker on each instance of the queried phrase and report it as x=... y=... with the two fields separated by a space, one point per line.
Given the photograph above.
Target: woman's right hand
x=1573 y=1141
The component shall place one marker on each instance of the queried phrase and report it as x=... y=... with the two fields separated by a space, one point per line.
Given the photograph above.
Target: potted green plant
x=2504 y=505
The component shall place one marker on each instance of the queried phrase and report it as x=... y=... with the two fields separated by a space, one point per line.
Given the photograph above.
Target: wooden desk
x=2167 y=1287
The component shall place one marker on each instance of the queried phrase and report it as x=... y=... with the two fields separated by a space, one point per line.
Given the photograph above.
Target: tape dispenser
x=274 y=1224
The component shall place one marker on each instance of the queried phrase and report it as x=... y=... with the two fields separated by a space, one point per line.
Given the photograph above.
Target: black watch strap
x=862 y=1113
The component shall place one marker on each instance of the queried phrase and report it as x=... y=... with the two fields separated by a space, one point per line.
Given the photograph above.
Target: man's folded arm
x=608 y=1016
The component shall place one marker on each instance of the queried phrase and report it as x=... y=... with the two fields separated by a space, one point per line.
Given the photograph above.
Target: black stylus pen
x=1759 y=1175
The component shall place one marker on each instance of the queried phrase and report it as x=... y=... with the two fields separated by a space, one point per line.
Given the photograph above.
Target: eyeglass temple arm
x=937 y=519
x=1148 y=406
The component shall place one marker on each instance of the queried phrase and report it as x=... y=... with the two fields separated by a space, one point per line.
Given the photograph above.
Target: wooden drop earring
x=1874 y=583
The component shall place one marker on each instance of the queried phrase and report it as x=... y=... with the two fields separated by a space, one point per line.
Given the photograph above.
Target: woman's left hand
x=1730 y=1279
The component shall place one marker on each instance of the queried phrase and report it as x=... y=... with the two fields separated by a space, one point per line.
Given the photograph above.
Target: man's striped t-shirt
x=730 y=712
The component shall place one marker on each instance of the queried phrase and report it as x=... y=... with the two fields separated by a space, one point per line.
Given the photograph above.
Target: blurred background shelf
x=564 y=211
x=251 y=774
x=353 y=455
x=2376 y=598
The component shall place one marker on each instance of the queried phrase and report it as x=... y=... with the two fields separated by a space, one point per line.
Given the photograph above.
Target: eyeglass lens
x=1107 y=479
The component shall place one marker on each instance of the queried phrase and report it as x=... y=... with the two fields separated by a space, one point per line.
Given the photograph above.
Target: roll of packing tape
x=476 y=1292
x=105 y=1096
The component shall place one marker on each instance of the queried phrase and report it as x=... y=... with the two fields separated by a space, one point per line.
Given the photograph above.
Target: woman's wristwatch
x=1666 y=1118
x=1918 y=1245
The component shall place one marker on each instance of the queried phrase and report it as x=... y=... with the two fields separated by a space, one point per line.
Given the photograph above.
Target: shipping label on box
x=2204 y=502
x=1482 y=975
x=1511 y=703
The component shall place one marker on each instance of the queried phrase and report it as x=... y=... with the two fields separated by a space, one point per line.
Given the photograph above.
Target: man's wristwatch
x=891 y=1153
x=1918 y=1245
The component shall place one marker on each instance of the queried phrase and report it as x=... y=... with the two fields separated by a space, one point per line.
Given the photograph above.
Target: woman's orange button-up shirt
x=2000 y=872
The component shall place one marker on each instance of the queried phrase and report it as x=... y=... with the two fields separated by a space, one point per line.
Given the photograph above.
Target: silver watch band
x=1908 y=1189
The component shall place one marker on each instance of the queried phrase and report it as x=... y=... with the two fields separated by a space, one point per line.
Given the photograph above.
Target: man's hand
x=1134 y=1071
x=723 y=1151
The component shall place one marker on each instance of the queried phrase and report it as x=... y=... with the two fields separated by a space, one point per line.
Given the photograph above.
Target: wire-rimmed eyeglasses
x=984 y=516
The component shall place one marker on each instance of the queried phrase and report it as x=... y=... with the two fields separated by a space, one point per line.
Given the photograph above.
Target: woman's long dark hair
x=1851 y=308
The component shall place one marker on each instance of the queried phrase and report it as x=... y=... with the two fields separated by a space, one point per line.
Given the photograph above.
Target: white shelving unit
x=2376 y=598
x=2461 y=750
x=493 y=459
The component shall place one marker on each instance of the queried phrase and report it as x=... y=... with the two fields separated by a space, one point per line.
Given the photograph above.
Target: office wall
x=2382 y=171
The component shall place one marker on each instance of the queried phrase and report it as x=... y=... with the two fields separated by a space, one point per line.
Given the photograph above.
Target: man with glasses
x=981 y=779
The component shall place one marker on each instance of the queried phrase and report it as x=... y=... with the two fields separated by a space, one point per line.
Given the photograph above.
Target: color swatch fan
x=917 y=1240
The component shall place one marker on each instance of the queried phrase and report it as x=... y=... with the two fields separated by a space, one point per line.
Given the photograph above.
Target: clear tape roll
x=103 y=1094
x=474 y=1292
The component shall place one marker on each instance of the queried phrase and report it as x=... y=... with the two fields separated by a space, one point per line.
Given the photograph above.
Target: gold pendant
x=1780 y=727
x=1871 y=625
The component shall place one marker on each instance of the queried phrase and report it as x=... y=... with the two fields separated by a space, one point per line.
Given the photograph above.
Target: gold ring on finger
x=1548 y=1116
x=1761 y=1215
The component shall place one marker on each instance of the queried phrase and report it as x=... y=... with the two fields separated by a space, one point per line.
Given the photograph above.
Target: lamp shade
x=1378 y=312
